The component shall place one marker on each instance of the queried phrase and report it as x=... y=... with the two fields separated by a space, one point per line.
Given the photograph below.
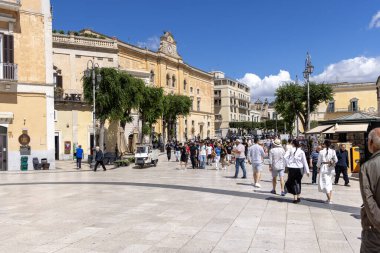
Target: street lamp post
x=91 y=72
x=309 y=68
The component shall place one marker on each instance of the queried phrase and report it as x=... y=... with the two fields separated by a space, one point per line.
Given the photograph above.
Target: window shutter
x=8 y=49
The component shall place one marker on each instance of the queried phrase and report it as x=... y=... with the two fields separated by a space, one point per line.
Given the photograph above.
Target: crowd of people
x=289 y=158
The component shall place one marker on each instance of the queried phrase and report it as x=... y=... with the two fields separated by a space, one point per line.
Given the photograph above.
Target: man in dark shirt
x=369 y=179
x=193 y=155
x=229 y=149
x=99 y=159
x=313 y=164
x=342 y=165
x=168 y=151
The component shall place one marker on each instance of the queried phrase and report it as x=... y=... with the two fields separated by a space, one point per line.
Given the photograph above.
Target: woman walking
x=326 y=163
x=223 y=157
x=183 y=158
x=297 y=165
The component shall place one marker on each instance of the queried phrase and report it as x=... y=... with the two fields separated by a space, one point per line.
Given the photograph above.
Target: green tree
x=150 y=108
x=291 y=100
x=109 y=97
x=173 y=107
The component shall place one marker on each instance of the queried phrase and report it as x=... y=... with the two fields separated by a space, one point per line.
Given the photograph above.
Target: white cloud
x=266 y=87
x=358 y=69
x=152 y=43
x=375 y=22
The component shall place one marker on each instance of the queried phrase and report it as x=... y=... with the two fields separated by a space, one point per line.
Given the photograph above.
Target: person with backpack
x=297 y=165
x=326 y=164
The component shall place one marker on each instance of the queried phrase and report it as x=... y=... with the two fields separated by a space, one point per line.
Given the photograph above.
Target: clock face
x=170 y=49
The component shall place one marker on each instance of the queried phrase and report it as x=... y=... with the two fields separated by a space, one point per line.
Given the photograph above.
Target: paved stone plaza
x=162 y=209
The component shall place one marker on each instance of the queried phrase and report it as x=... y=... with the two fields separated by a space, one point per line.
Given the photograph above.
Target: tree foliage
x=291 y=100
x=173 y=107
x=265 y=125
x=151 y=107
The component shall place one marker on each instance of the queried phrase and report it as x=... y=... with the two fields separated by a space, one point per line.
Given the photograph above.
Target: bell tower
x=168 y=45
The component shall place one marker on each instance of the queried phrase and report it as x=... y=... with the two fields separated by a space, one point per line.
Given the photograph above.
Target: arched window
x=173 y=81
x=167 y=79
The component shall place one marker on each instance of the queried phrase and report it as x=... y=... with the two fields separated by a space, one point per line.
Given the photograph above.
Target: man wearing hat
x=277 y=165
x=256 y=157
x=239 y=153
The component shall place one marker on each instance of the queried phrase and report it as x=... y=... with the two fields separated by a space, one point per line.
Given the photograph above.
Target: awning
x=318 y=129
x=6 y=117
x=352 y=128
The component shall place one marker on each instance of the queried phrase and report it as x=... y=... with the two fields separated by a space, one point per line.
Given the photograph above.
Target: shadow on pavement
x=305 y=201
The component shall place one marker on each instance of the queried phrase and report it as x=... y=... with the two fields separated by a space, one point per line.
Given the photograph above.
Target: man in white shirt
x=202 y=152
x=209 y=154
x=256 y=158
x=240 y=158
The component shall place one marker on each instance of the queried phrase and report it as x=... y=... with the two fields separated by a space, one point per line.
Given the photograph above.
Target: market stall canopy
x=348 y=128
x=318 y=129
x=6 y=117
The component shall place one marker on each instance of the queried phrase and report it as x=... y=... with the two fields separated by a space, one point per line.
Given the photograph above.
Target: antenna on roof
x=296 y=79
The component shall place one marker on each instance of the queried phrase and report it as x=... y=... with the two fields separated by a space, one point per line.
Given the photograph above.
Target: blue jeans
x=240 y=162
x=203 y=161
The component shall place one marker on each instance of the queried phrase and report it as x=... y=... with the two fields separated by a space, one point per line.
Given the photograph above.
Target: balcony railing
x=13 y=5
x=8 y=71
x=61 y=95
x=84 y=41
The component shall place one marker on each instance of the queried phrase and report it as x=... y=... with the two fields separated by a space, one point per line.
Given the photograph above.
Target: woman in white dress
x=326 y=164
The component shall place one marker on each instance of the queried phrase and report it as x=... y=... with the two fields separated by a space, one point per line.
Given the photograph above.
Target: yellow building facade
x=165 y=68
x=73 y=122
x=348 y=99
x=169 y=71
x=26 y=83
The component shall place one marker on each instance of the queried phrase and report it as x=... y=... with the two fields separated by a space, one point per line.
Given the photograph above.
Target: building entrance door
x=56 y=140
x=3 y=149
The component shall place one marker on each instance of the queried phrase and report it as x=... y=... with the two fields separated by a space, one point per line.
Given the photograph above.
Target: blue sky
x=260 y=42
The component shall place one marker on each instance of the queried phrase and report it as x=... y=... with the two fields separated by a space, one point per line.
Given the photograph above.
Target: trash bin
x=44 y=164
x=24 y=163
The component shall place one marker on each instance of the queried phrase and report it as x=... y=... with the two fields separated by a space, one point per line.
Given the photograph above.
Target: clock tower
x=168 y=45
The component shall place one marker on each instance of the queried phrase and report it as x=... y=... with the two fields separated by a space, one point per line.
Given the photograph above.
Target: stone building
x=73 y=117
x=231 y=102
x=165 y=68
x=26 y=83
x=349 y=98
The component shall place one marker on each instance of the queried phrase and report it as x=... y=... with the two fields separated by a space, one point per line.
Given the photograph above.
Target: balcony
x=8 y=72
x=12 y=5
x=61 y=95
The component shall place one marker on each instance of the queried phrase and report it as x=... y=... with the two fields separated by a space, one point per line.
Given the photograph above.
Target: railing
x=79 y=40
x=12 y=5
x=67 y=95
x=8 y=71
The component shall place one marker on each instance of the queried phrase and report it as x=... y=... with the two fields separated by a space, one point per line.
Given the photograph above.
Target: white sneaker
x=254 y=184
x=257 y=185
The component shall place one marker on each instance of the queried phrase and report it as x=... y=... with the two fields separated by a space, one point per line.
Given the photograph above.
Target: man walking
x=79 y=156
x=168 y=151
x=256 y=157
x=342 y=165
x=99 y=159
x=193 y=155
x=240 y=158
x=313 y=163
x=369 y=179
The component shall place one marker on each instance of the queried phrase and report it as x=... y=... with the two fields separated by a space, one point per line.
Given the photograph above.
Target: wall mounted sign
x=67 y=147
x=24 y=139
